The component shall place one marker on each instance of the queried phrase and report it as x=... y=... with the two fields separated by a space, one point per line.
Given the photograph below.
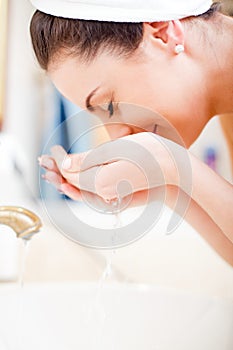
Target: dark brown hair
x=52 y=35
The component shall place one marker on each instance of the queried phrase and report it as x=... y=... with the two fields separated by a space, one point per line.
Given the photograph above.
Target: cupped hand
x=137 y=163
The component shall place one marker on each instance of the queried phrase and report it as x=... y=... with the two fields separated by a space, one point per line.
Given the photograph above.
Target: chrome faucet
x=22 y=221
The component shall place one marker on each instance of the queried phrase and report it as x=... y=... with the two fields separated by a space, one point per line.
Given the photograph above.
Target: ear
x=169 y=33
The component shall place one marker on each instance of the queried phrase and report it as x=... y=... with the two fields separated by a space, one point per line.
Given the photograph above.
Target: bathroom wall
x=23 y=113
x=3 y=29
x=30 y=108
x=212 y=137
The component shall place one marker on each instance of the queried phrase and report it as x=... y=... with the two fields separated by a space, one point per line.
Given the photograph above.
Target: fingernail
x=67 y=164
x=39 y=160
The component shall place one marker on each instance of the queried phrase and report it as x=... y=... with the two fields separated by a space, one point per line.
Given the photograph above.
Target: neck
x=220 y=61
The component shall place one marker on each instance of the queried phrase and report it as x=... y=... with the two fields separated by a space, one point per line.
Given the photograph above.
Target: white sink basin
x=74 y=316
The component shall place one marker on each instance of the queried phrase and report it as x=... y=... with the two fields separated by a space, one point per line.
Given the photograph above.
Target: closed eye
x=107 y=108
x=111 y=109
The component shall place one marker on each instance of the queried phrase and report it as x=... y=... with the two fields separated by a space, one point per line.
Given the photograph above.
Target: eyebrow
x=89 y=97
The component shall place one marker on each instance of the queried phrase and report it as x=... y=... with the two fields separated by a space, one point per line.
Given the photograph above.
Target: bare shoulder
x=226 y=121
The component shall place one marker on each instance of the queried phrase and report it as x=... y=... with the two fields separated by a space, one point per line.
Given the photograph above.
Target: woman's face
x=154 y=90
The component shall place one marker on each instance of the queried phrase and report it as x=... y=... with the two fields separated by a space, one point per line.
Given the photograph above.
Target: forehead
x=76 y=79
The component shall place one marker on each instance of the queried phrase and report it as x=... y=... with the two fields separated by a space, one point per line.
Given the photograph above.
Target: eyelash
x=111 y=109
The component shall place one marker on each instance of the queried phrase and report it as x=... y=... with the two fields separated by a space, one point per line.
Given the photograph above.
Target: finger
x=59 y=155
x=48 y=163
x=71 y=192
x=87 y=182
x=83 y=161
x=74 y=162
x=66 y=162
x=89 y=198
x=53 y=178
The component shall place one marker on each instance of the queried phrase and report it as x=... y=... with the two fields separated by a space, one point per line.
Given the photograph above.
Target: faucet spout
x=24 y=222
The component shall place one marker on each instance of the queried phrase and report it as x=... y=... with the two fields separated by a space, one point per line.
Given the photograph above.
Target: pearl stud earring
x=179 y=48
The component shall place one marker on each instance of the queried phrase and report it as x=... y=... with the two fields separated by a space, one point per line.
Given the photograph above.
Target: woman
x=172 y=59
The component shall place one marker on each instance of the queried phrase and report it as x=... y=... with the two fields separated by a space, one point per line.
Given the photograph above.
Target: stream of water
x=107 y=273
x=26 y=247
x=19 y=319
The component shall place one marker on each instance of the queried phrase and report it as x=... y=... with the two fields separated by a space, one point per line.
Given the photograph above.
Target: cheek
x=181 y=130
x=172 y=104
x=178 y=117
x=136 y=115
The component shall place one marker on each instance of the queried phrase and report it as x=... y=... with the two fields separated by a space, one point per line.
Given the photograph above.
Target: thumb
x=74 y=162
x=67 y=162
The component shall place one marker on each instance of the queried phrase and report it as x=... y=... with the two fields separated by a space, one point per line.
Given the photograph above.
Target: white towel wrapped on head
x=123 y=10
